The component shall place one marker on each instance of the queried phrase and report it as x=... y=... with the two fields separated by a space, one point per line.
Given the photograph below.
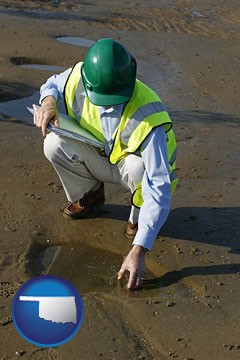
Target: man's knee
x=51 y=145
x=135 y=168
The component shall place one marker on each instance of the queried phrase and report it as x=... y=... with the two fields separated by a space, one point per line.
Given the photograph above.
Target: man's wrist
x=49 y=100
x=140 y=249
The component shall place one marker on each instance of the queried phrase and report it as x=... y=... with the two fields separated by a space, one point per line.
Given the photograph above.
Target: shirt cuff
x=145 y=238
x=49 y=92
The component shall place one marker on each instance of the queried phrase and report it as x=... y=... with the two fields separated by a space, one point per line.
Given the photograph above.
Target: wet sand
x=189 y=307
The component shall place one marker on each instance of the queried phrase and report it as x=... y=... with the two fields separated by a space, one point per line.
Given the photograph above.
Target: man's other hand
x=134 y=263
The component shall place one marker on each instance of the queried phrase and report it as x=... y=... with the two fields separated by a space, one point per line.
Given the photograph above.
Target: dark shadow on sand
x=173 y=277
x=213 y=226
x=195 y=116
x=111 y=211
x=207 y=225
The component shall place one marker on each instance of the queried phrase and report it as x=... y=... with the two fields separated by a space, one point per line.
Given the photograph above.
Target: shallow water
x=41 y=67
x=90 y=270
x=76 y=41
x=18 y=108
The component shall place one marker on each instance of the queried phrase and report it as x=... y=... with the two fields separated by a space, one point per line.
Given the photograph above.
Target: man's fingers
x=139 y=281
x=120 y=273
x=122 y=269
x=46 y=113
x=120 y=278
x=44 y=128
x=37 y=118
x=56 y=120
x=34 y=118
x=132 y=280
x=134 y=264
x=135 y=280
x=44 y=124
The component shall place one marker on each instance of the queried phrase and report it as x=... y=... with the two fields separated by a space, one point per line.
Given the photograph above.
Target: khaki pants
x=81 y=168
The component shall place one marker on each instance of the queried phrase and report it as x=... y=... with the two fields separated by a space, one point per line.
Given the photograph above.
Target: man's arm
x=156 y=190
x=54 y=86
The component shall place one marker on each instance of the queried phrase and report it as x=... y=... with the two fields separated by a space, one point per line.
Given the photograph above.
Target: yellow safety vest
x=141 y=115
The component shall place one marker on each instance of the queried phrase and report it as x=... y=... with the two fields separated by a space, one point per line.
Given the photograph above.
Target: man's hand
x=48 y=111
x=134 y=263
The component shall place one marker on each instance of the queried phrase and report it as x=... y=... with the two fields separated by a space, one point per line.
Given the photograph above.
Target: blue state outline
x=81 y=305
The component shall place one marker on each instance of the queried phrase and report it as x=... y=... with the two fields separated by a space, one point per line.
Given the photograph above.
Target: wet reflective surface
x=91 y=270
x=17 y=108
x=25 y=62
x=76 y=41
x=41 y=67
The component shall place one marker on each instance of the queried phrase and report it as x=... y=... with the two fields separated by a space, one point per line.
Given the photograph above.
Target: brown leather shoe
x=131 y=230
x=80 y=208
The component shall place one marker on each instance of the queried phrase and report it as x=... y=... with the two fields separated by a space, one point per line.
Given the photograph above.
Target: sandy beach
x=189 y=52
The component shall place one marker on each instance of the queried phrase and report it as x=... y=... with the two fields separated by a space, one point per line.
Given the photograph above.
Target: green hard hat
x=108 y=73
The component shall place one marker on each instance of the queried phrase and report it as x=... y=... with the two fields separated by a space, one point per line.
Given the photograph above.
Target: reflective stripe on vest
x=140 y=114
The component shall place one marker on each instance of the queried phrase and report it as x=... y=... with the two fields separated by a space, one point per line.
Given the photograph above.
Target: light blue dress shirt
x=110 y=119
x=156 y=184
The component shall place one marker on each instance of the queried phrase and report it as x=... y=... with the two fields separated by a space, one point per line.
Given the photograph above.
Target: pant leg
x=79 y=166
x=131 y=171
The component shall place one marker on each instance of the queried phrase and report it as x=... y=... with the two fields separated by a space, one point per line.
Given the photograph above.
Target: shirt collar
x=117 y=108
